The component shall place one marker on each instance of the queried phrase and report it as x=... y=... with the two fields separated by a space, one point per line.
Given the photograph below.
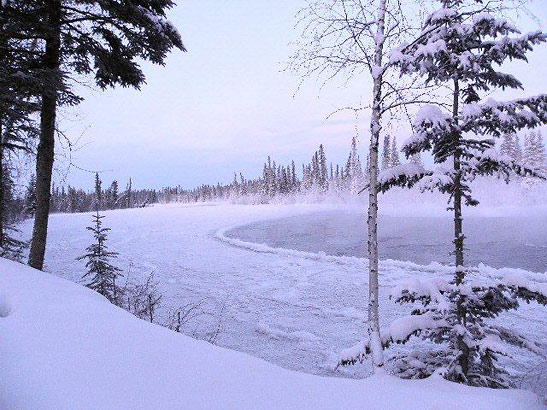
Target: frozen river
x=516 y=242
x=294 y=309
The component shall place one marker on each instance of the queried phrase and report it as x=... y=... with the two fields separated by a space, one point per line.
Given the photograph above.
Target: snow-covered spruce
x=102 y=273
x=533 y=156
x=461 y=45
x=510 y=146
x=435 y=317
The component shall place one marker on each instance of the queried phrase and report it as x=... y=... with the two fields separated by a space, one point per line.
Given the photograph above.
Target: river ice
x=515 y=241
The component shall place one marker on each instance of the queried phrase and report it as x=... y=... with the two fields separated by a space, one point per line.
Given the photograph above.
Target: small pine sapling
x=100 y=271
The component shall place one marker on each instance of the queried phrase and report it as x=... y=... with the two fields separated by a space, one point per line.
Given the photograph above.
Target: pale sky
x=225 y=105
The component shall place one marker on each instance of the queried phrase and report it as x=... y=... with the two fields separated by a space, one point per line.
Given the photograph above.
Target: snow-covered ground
x=292 y=308
x=65 y=347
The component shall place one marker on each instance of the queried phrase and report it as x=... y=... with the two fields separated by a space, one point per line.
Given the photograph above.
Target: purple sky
x=225 y=105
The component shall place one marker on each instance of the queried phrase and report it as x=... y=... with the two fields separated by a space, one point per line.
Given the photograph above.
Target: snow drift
x=63 y=346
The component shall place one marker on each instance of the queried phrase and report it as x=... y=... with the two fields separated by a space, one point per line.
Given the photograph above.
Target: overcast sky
x=223 y=106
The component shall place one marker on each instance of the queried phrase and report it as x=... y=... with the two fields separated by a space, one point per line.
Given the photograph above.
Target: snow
x=471 y=110
x=300 y=336
x=66 y=347
x=5 y=306
x=440 y=177
x=538 y=283
x=294 y=308
x=494 y=344
x=443 y=14
x=483 y=16
x=376 y=71
x=430 y=114
x=396 y=56
x=352 y=352
x=495 y=25
x=408 y=170
x=400 y=329
x=431 y=48
x=428 y=287
x=415 y=139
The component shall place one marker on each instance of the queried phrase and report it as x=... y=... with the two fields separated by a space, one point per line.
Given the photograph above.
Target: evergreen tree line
x=71 y=199
x=76 y=200
x=532 y=155
x=322 y=177
x=316 y=177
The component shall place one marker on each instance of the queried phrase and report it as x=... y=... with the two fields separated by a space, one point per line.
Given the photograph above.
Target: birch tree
x=353 y=38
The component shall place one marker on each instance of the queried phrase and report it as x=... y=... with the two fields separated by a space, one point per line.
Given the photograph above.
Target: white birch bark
x=349 y=38
x=373 y=291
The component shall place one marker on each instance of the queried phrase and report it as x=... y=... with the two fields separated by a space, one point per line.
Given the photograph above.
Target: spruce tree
x=115 y=195
x=294 y=179
x=101 y=273
x=242 y=183
x=394 y=155
x=464 y=46
x=386 y=154
x=273 y=179
x=322 y=177
x=416 y=159
x=234 y=186
x=98 y=193
x=265 y=180
x=353 y=174
x=533 y=155
x=517 y=150
x=10 y=246
x=30 y=197
x=129 y=194
x=507 y=146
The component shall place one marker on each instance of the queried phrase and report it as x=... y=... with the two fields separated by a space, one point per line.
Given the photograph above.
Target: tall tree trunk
x=373 y=286
x=3 y=61
x=46 y=146
x=458 y=220
x=2 y=193
x=459 y=236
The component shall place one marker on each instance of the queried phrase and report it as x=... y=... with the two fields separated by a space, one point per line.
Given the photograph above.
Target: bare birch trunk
x=46 y=146
x=373 y=291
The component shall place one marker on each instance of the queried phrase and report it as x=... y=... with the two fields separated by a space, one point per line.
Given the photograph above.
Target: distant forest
x=316 y=178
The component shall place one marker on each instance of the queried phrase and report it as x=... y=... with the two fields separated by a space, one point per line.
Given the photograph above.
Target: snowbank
x=64 y=347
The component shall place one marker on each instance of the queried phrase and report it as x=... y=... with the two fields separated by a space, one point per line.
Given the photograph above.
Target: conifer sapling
x=101 y=273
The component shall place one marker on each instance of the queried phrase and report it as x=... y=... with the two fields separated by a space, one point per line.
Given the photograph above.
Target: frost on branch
x=528 y=289
x=402 y=175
